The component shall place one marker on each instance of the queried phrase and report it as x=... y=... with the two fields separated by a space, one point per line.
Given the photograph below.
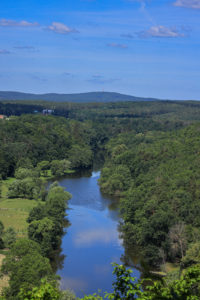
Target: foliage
x=41 y=232
x=25 y=267
x=0 y=188
x=124 y=287
x=80 y=156
x=152 y=163
x=25 y=188
x=178 y=240
x=60 y=167
x=1 y=235
x=157 y=176
x=68 y=295
x=192 y=255
x=187 y=287
x=43 y=166
x=22 y=173
x=9 y=237
x=45 y=291
x=46 y=221
x=41 y=139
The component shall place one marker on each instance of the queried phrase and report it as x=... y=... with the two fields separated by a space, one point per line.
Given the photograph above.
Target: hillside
x=81 y=97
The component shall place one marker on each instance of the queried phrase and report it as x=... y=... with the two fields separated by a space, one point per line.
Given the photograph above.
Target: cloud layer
x=99 y=79
x=60 y=28
x=3 y=51
x=92 y=236
x=160 y=32
x=24 y=47
x=115 y=45
x=12 y=23
x=188 y=3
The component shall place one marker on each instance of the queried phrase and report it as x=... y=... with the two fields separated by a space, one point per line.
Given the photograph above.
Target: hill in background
x=82 y=97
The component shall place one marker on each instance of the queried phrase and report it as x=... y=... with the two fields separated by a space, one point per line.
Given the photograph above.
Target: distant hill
x=82 y=97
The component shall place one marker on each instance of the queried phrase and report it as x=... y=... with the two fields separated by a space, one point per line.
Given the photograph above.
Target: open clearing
x=14 y=212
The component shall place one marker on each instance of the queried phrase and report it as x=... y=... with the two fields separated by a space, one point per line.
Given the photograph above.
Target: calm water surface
x=92 y=241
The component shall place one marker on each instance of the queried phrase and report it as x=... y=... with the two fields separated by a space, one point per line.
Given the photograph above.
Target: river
x=92 y=240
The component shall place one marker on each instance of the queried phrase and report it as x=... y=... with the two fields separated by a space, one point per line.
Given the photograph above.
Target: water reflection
x=92 y=241
x=73 y=283
x=86 y=192
x=87 y=238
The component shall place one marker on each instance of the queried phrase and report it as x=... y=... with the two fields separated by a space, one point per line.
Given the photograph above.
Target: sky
x=147 y=48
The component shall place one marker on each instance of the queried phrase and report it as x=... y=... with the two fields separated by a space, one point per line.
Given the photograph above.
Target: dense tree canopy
x=151 y=153
x=157 y=175
x=25 y=266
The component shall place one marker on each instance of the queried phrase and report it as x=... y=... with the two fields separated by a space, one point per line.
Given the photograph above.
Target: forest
x=149 y=153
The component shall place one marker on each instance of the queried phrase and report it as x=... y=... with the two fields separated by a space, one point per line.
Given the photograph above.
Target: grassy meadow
x=14 y=212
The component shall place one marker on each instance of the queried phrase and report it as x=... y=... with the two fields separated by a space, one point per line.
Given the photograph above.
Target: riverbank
x=14 y=211
x=49 y=176
x=93 y=240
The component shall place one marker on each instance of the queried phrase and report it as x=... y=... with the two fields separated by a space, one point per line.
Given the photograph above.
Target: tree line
x=29 y=259
x=152 y=164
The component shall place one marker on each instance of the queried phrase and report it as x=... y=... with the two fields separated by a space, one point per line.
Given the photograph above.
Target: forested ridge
x=44 y=138
x=151 y=153
x=78 y=97
x=157 y=175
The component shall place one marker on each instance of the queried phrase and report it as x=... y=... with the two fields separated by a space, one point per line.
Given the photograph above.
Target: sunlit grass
x=14 y=212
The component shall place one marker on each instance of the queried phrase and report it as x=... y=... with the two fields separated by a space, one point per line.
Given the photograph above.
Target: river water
x=92 y=240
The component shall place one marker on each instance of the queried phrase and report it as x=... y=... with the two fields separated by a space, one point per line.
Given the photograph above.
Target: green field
x=14 y=212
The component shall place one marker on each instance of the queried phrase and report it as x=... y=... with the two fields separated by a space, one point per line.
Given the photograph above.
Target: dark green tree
x=25 y=267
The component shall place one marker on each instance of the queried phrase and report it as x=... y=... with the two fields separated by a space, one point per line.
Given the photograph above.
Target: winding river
x=92 y=241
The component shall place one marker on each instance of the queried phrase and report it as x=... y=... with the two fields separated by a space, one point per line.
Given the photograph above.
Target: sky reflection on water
x=92 y=241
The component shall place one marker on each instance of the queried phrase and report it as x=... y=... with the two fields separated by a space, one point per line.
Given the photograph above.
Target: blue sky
x=145 y=48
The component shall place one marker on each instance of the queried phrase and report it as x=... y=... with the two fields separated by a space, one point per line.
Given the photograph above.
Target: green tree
x=43 y=167
x=80 y=156
x=56 y=203
x=60 y=167
x=178 y=239
x=45 y=291
x=22 y=173
x=42 y=232
x=30 y=188
x=37 y=213
x=9 y=237
x=125 y=287
x=1 y=235
x=192 y=255
x=25 y=267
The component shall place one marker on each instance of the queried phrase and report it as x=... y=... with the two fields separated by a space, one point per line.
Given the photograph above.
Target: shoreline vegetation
x=14 y=211
x=151 y=153
x=157 y=177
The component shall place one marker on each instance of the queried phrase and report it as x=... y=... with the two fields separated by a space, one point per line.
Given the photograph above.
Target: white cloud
x=61 y=28
x=24 y=47
x=161 y=32
x=188 y=3
x=93 y=236
x=114 y=45
x=3 y=51
x=12 y=23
